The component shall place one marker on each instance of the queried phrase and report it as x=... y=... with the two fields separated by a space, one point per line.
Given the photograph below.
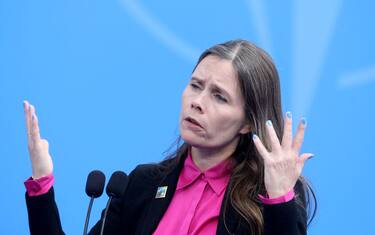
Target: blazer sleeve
x=43 y=214
x=123 y=217
x=289 y=218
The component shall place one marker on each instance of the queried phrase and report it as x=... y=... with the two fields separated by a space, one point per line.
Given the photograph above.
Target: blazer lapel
x=161 y=199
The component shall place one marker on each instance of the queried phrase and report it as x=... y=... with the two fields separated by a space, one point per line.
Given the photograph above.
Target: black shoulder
x=152 y=172
x=153 y=168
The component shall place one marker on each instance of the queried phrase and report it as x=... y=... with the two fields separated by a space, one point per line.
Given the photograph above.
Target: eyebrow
x=215 y=87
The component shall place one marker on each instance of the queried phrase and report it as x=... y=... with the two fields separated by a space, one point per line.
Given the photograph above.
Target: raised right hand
x=41 y=161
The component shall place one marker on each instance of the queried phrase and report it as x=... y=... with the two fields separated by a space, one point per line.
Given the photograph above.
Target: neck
x=206 y=158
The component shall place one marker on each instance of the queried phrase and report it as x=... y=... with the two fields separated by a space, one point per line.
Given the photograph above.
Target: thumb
x=305 y=157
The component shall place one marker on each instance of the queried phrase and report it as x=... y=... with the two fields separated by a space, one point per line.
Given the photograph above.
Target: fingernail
x=289 y=114
x=255 y=136
x=269 y=123
x=304 y=121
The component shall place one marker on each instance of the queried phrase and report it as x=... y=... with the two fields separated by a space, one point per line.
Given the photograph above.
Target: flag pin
x=161 y=192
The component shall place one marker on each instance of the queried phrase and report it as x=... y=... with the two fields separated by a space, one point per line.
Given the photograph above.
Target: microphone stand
x=88 y=215
x=105 y=215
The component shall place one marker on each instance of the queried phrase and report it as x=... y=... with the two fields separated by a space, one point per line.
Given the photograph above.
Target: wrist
x=276 y=200
x=40 y=174
x=277 y=193
x=36 y=187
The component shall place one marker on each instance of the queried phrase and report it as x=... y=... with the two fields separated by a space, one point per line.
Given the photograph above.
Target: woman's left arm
x=283 y=165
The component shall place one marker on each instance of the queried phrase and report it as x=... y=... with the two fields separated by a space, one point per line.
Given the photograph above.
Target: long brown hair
x=260 y=88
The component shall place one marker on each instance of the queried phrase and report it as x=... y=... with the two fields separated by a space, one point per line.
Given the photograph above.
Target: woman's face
x=212 y=114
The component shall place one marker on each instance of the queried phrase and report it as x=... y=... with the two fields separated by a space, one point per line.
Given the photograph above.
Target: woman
x=237 y=172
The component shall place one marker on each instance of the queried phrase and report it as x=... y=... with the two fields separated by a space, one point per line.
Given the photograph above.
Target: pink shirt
x=195 y=206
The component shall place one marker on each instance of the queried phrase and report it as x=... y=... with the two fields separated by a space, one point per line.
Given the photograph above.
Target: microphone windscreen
x=117 y=184
x=95 y=184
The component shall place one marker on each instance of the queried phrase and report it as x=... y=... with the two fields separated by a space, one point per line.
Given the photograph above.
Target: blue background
x=106 y=79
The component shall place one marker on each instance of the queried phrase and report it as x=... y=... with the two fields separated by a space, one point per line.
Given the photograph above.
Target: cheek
x=184 y=107
x=184 y=98
x=228 y=123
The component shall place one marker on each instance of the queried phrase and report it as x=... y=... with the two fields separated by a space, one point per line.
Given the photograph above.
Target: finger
x=260 y=147
x=28 y=119
x=302 y=160
x=298 y=139
x=26 y=110
x=35 y=134
x=288 y=131
x=305 y=156
x=275 y=143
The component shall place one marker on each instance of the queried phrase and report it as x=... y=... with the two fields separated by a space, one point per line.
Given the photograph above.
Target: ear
x=245 y=129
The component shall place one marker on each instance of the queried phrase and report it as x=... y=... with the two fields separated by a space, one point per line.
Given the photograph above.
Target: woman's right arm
x=41 y=161
x=40 y=200
x=41 y=206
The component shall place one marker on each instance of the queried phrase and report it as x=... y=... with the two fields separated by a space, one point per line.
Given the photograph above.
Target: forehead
x=213 y=69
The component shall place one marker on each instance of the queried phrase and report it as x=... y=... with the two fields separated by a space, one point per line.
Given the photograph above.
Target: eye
x=194 y=86
x=220 y=98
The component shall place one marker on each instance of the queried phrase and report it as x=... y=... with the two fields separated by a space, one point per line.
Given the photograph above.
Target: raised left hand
x=284 y=164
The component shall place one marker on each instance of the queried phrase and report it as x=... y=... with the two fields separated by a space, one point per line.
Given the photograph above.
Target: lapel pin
x=161 y=192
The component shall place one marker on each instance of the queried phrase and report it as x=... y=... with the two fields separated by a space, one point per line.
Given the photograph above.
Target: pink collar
x=216 y=176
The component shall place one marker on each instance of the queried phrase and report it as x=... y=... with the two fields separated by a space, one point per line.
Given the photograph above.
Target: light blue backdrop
x=106 y=79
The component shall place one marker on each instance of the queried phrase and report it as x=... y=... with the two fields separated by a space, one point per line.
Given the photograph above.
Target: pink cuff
x=285 y=198
x=39 y=186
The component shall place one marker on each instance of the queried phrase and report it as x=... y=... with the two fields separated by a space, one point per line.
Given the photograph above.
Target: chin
x=193 y=139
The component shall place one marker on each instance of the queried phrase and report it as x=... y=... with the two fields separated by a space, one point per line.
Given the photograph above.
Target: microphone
x=115 y=189
x=94 y=188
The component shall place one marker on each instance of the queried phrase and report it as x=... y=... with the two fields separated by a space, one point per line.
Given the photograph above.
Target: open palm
x=283 y=164
x=41 y=160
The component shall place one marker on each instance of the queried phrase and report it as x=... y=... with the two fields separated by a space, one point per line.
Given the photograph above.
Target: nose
x=196 y=106
x=197 y=103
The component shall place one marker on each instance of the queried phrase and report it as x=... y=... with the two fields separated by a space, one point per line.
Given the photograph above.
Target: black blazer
x=139 y=212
